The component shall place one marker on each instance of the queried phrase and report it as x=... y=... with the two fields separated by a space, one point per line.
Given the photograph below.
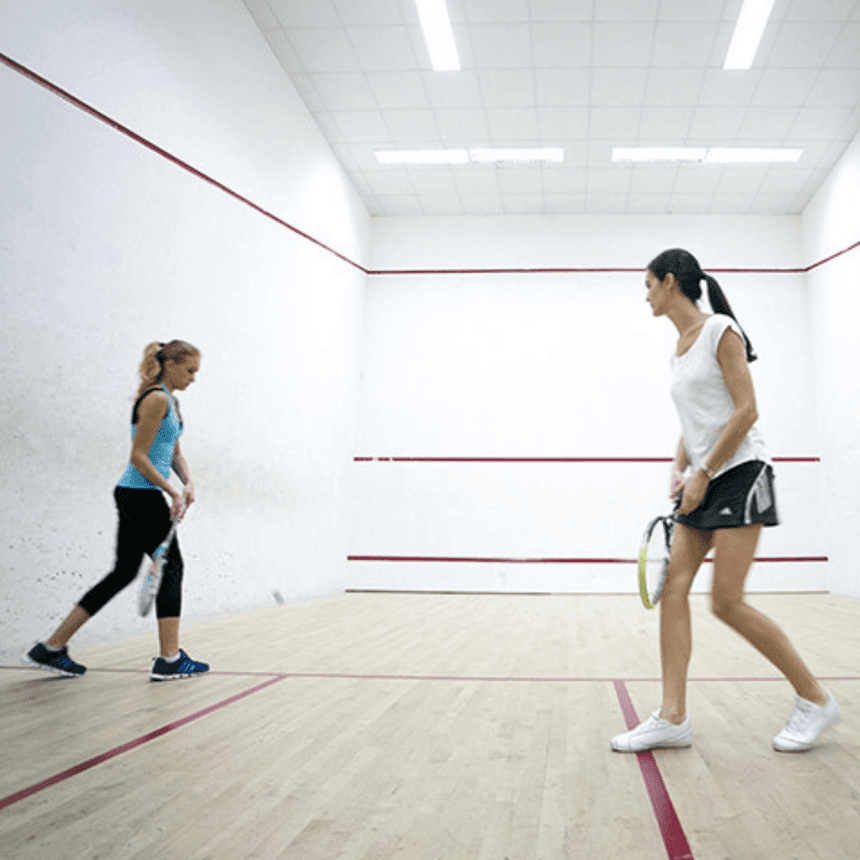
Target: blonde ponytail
x=154 y=356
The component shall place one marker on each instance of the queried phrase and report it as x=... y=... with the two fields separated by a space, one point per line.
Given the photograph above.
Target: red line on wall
x=446 y=559
x=677 y=847
x=122 y=129
x=549 y=459
x=137 y=138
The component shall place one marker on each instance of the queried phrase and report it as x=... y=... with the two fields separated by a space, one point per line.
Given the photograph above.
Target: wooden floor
x=422 y=727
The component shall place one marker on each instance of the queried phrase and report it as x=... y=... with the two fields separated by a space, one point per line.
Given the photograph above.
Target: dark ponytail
x=689 y=275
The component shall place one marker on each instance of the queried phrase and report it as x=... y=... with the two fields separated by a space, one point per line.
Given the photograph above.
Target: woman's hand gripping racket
x=654 y=559
x=152 y=579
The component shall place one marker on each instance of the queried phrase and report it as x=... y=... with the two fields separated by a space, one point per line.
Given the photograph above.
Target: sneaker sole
x=177 y=676
x=31 y=663
x=811 y=744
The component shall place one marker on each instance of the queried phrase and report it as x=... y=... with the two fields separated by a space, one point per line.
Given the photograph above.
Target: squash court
x=376 y=726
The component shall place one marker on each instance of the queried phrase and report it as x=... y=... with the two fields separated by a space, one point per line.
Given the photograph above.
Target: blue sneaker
x=182 y=667
x=54 y=661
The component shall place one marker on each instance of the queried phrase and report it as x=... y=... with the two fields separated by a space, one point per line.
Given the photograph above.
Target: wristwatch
x=708 y=472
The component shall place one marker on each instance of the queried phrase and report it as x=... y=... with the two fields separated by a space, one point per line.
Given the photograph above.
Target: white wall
x=568 y=365
x=106 y=245
x=831 y=224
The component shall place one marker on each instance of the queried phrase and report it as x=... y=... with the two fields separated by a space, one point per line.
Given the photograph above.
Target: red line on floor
x=677 y=847
x=143 y=739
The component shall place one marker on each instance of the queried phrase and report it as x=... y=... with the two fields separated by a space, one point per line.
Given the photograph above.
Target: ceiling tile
x=626 y=10
x=483 y=204
x=453 y=89
x=681 y=45
x=612 y=123
x=613 y=87
x=648 y=203
x=846 y=51
x=561 y=45
x=606 y=203
x=803 y=44
x=561 y=204
x=343 y=91
x=835 y=88
x=715 y=125
x=656 y=179
x=262 y=13
x=818 y=123
x=363 y=127
x=767 y=123
x=666 y=125
x=460 y=127
x=507 y=87
x=512 y=125
x=479 y=181
x=668 y=87
x=305 y=13
x=496 y=11
x=369 y=12
x=689 y=204
x=324 y=49
x=564 y=180
x=563 y=86
x=433 y=180
x=691 y=10
x=561 y=10
x=383 y=48
x=519 y=180
x=501 y=46
x=729 y=88
x=413 y=128
x=614 y=179
x=586 y=75
x=555 y=124
x=820 y=10
x=622 y=44
x=398 y=90
x=782 y=87
x=437 y=204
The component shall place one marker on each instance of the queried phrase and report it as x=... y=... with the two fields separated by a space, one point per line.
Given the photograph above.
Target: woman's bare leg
x=735 y=549
x=689 y=548
x=73 y=622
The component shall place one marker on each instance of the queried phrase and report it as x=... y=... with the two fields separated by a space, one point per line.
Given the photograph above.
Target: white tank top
x=703 y=401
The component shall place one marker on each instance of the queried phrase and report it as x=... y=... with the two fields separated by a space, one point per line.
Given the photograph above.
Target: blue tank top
x=161 y=452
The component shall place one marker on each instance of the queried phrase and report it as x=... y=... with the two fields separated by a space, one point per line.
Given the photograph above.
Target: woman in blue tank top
x=144 y=515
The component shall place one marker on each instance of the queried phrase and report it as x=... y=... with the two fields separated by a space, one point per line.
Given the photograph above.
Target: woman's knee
x=725 y=606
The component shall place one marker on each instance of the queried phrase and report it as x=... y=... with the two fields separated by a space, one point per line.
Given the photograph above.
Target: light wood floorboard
x=431 y=727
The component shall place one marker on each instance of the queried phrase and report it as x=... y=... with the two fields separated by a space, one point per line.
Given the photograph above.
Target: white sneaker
x=806 y=724
x=654 y=733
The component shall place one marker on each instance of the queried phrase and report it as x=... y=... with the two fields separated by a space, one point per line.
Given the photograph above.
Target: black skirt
x=743 y=496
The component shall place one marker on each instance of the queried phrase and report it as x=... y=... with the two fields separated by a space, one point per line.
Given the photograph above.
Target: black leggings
x=144 y=521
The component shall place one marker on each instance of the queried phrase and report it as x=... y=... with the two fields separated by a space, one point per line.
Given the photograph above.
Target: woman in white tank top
x=724 y=483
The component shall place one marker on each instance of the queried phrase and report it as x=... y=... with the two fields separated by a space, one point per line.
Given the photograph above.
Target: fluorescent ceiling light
x=422 y=156
x=748 y=32
x=701 y=155
x=658 y=153
x=534 y=155
x=739 y=155
x=439 y=35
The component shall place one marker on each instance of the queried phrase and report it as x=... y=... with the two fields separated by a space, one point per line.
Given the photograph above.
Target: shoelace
x=800 y=717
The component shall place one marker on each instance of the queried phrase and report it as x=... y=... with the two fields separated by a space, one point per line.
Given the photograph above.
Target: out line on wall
x=153 y=147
